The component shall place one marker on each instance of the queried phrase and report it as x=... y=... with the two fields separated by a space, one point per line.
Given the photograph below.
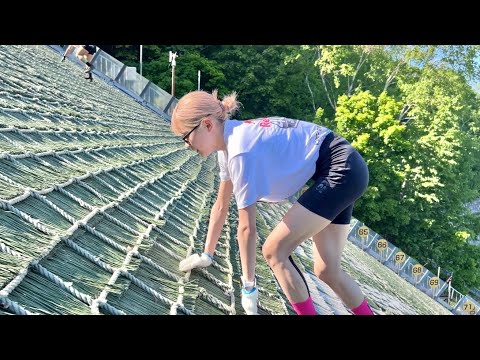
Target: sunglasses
x=185 y=138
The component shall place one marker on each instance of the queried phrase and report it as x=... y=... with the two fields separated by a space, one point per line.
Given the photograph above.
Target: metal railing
x=411 y=270
x=127 y=79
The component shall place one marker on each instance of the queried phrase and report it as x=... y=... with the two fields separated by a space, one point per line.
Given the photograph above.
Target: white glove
x=195 y=261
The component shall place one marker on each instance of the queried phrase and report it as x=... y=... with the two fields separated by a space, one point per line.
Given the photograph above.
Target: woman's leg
x=327 y=248
x=81 y=53
x=69 y=50
x=247 y=244
x=297 y=225
x=86 y=57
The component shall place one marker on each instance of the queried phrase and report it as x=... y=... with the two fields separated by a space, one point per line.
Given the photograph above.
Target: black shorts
x=341 y=177
x=90 y=48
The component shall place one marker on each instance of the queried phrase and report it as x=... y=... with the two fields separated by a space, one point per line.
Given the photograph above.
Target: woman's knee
x=327 y=274
x=272 y=253
x=268 y=252
x=81 y=52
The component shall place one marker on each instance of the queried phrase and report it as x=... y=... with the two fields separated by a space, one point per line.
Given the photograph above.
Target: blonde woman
x=270 y=159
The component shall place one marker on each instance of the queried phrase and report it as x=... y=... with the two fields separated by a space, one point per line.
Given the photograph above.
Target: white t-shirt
x=269 y=159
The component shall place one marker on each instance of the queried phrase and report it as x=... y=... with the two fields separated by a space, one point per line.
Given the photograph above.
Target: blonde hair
x=196 y=105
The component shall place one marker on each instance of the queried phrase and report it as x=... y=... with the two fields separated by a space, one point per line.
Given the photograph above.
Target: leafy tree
x=419 y=150
x=267 y=84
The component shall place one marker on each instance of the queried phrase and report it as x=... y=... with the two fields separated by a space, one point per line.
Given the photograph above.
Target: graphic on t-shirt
x=285 y=122
x=281 y=122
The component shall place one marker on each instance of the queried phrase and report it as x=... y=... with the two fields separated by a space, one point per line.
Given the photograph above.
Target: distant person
x=270 y=159
x=85 y=54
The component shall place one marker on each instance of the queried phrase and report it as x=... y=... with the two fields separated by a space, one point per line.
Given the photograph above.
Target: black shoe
x=89 y=69
x=63 y=58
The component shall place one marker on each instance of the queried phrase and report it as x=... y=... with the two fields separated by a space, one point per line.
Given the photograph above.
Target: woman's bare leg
x=327 y=249
x=297 y=225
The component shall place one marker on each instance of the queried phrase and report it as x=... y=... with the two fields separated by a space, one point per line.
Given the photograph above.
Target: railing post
x=145 y=88
x=168 y=105
x=96 y=54
x=122 y=70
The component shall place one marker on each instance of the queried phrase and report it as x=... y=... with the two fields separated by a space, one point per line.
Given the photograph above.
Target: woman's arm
x=218 y=214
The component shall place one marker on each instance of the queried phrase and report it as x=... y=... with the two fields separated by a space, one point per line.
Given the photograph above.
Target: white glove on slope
x=195 y=261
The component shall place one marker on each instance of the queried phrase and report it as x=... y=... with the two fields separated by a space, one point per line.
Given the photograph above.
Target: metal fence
x=411 y=270
x=127 y=79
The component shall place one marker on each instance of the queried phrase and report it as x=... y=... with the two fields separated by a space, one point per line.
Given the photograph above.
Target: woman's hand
x=195 y=261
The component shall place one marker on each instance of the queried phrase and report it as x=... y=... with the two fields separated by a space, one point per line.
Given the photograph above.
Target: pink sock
x=363 y=309
x=305 y=307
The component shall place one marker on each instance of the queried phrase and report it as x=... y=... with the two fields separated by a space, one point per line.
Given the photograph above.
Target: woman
x=270 y=159
x=85 y=54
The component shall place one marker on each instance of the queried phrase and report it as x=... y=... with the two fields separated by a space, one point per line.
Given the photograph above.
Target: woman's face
x=203 y=137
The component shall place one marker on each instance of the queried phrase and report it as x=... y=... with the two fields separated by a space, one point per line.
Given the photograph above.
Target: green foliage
x=422 y=171
x=267 y=83
x=318 y=116
x=370 y=125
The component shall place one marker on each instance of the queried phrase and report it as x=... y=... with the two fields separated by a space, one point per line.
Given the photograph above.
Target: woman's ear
x=208 y=123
